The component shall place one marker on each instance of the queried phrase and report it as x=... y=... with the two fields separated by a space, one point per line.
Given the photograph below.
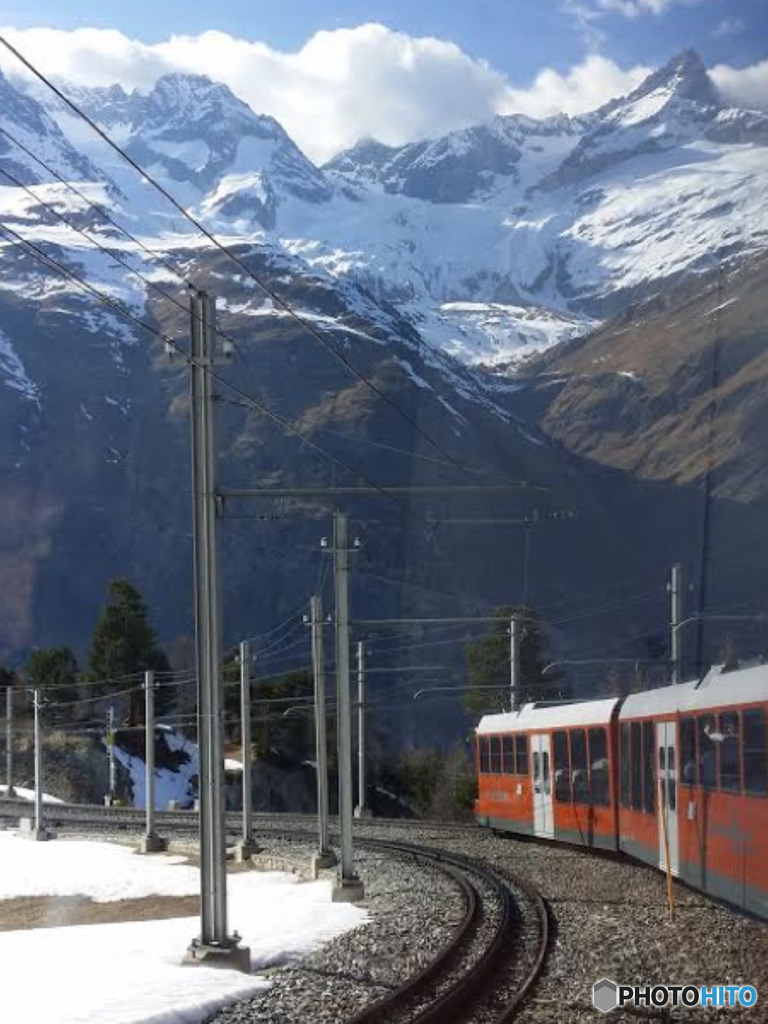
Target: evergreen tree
x=488 y=665
x=124 y=643
x=7 y=678
x=53 y=669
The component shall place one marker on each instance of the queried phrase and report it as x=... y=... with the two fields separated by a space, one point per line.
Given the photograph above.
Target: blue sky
x=517 y=37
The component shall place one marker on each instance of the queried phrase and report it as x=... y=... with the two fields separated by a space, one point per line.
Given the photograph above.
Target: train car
x=694 y=783
x=676 y=776
x=548 y=772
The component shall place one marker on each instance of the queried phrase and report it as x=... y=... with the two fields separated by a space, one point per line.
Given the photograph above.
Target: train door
x=543 y=812
x=666 y=760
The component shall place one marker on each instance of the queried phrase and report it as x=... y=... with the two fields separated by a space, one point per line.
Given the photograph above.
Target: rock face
x=422 y=266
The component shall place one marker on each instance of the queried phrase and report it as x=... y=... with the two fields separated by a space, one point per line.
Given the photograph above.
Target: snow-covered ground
x=29 y=794
x=131 y=973
x=170 y=785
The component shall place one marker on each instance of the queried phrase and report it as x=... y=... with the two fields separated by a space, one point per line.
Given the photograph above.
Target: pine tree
x=488 y=665
x=54 y=669
x=124 y=643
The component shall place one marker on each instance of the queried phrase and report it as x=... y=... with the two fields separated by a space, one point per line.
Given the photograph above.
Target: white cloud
x=583 y=88
x=744 y=87
x=729 y=27
x=635 y=8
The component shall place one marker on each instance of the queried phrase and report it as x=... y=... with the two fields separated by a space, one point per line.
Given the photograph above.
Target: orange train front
x=679 y=772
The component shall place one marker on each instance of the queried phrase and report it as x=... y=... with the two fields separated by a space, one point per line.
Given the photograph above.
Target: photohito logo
x=607 y=995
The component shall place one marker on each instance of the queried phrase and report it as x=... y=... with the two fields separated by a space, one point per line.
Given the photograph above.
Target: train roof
x=549 y=716
x=717 y=689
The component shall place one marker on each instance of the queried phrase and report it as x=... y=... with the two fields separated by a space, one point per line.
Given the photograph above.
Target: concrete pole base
x=363 y=812
x=27 y=830
x=347 y=890
x=245 y=849
x=109 y=801
x=321 y=860
x=153 y=843
x=232 y=957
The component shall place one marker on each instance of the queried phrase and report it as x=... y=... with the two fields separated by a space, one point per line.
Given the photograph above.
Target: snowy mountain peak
x=684 y=76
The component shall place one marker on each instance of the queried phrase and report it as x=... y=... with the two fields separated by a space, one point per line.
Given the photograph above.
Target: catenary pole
x=10 y=791
x=246 y=847
x=362 y=810
x=348 y=886
x=39 y=831
x=214 y=944
x=151 y=843
x=676 y=619
x=324 y=856
x=515 y=629
x=111 y=748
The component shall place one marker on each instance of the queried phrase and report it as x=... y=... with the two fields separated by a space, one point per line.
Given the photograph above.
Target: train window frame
x=748 y=753
x=561 y=770
x=496 y=756
x=625 y=774
x=648 y=769
x=707 y=780
x=485 y=754
x=521 y=754
x=733 y=780
x=579 y=759
x=600 y=780
x=507 y=745
x=636 y=766
x=688 y=751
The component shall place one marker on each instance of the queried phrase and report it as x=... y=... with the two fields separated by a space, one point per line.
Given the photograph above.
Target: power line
x=285 y=306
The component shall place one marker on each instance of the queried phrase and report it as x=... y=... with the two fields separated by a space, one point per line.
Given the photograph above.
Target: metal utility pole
x=214 y=944
x=151 y=843
x=110 y=799
x=324 y=857
x=39 y=832
x=348 y=886
x=10 y=791
x=515 y=638
x=246 y=847
x=675 y=588
x=362 y=810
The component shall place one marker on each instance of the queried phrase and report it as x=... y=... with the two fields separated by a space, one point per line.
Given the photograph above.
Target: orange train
x=678 y=775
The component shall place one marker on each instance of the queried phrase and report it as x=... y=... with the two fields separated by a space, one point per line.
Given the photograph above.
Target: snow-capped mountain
x=556 y=223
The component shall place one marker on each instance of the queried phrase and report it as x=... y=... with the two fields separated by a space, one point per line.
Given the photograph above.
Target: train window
x=624 y=754
x=562 y=774
x=536 y=773
x=688 y=751
x=649 y=790
x=579 y=773
x=637 y=768
x=707 y=730
x=485 y=755
x=598 y=767
x=672 y=785
x=495 y=755
x=753 y=739
x=730 y=779
x=508 y=754
x=522 y=755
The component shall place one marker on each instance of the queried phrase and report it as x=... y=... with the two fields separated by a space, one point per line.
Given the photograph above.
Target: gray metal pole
x=514 y=662
x=324 y=857
x=245 y=847
x=348 y=886
x=214 y=943
x=362 y=810
x=39 y=780
x=111 y=745
x=151 y=843
x=10 y=791
x=676 y=593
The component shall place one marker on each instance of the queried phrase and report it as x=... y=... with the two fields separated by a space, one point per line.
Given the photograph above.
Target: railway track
x=480 y=976
x=483 y=974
